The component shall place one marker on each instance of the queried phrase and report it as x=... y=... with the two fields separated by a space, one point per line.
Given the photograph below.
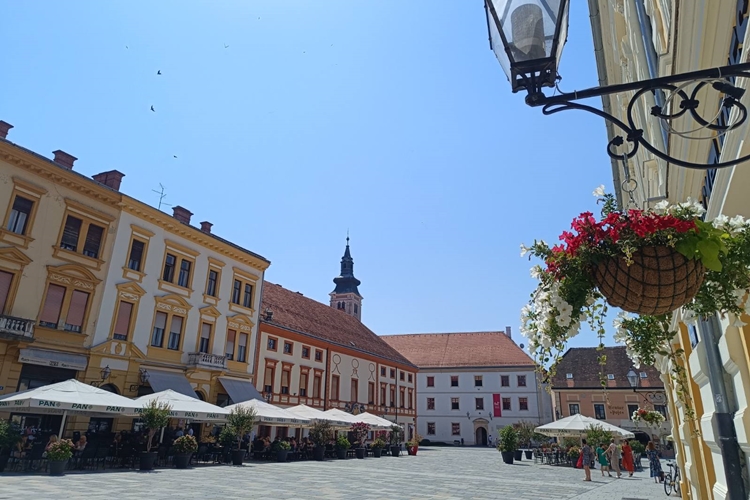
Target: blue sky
x=391 y=119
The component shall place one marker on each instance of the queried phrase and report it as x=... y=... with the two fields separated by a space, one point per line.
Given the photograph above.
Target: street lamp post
x=653 y=398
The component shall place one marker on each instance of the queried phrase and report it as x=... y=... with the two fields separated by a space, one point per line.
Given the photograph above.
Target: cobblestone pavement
x=440 y=473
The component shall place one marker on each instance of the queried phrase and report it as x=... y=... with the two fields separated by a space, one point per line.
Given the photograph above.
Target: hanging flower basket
x=652 y=418
x=658 y=280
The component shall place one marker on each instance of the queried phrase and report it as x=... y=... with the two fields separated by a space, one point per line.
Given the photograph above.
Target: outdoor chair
x=33 y=456
x=102 y=453
x=200 y=455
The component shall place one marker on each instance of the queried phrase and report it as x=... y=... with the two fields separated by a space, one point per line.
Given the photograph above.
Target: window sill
x=241 y=309
x=132 y=274
x=210 y=299
x=164 y=354
x=15 y=239
x=173 y=288
x=76 y=258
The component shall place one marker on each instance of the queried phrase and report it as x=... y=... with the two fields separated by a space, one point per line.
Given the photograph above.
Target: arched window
x=356 y=309
x=199 y=395
x=110 y=388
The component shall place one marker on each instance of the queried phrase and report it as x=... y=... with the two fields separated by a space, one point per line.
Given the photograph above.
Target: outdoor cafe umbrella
x=268 y=414
x=310 y=413
x=577 y=426
x=374 y=421
x=183 y=406
x=69 y=397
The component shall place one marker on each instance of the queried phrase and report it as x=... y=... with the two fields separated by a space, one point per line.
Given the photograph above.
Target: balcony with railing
x=205 y=360
x=16 y=328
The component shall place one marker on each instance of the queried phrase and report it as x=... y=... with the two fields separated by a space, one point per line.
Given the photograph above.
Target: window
x=402 y=398
x=505 y=380
x=574 y=409
x=268 y=381
x=213 y=279
x=247 y=298
x=478 y=381
x=175 y=333
x=169 y=264
x=303 y=384
x=53 y=303
x=430 y=381
x=599 y=412
x=204 y=344
x=644 y=375
x=411 y=399
x=183 y=279
x=479 y=403
x=242 y=348
x=93 y=241
x=632 y=409
x=401 y=376
x=354 y=393
x=430 y=428
x=393 y=397
x=305 y=352
x=569 y=376
x=356 y=309
x=72 y=232
x=20 y=214
x=229 y=349
x=382 y=395
x=122 y=323
x=430 y=403
x=287 y=348
x=454 y=380
x=83 y=232
x=135 y=259
x=272 y=344
x=393 y=373
x=506 y=403
x=523 y=404
x=522 y=381
x=382 y=371
x=242 y=291
x=285 y=375
x=456 y=428
x=76 y=311
x=610 y=376
x=335 y=387
x=316 y=386
x=410 y=378
x=454 y=404
x=160 y=325
x=661 y=409
x=318 y=355
x=6 y=280
x=371 y=393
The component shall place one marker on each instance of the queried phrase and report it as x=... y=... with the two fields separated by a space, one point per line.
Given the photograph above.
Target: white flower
x=536 y=272
x=737 y=222
x=661 y=207
x=689 y=317
x=737 y=322
x=599 y=192
x=720 y=221
x=524 y=250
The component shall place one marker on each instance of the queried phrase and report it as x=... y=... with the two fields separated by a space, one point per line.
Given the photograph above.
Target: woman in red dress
x=627 y=458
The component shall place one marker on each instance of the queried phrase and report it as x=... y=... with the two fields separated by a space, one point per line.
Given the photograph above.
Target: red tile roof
x=434 y=350
x=294 y=311
x=583 y=364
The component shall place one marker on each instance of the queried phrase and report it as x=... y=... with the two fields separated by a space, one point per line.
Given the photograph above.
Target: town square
x=546 y=202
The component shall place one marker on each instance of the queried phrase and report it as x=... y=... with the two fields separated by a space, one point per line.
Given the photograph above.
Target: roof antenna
x=162 y=195
x=347 y=236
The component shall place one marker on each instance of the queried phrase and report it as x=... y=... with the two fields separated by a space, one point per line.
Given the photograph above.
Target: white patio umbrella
x=343 y=416
x=69 y=397
x=375 y=422
x=576 y=426
x=269 y=414
x=185 y=406
x=314 y=414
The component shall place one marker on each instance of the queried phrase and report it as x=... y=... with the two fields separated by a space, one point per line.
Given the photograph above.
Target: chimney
x=507 y=332
x=112 y=179
x=206 y=226
x=64 y=159
x=4 y=128
x=181 y=214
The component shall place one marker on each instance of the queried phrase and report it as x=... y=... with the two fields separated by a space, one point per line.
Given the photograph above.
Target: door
x=481 y=436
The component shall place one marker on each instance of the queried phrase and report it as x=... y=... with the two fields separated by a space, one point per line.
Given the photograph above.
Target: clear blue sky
x=392 y=119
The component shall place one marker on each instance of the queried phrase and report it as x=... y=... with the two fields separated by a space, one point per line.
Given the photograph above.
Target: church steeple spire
x=346 y=295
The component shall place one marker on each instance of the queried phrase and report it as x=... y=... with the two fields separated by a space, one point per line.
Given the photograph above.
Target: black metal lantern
x=632 y=379
x=527 y=37
x=104 y=373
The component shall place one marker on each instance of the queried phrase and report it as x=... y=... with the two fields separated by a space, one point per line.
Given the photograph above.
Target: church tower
x=345 y=296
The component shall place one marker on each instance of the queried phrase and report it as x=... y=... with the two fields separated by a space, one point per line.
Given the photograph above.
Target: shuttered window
x=316 y=386
x=175 y=332
x=6 y=279
x=335 y=387
x=52 y=306
x=19 y=215
x=122 y=325
x=303 y=384
x=355 y=390
x=268 y=380
x=285 y=382
x=242 y=348
x=93 y=241
x=76 y=311
x=231 y=335
x=205 y=342
x=160 y=324
x=70 y=233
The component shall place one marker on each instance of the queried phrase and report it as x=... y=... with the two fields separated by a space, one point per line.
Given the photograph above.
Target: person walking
x=627 y=458
x=602 y=457
x=653 y=461
x=613 y=454
x=588 y=457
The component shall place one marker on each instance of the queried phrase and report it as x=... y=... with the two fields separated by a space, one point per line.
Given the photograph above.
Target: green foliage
x=241 y=421
x=155 y=415
x=281 y=445
x=378 y=443
x=342 y=443
x=574 y=452
x=321 y=433
x=395 y=435
x=415 y=441
x=227 y=437
x=60 y=451
x=508 y=439
x=185 y=444
x=638 y=447
x=526 y=432
x=9 y=435
x=596 y=435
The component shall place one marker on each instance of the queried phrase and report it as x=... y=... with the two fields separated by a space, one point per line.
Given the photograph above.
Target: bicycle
x=672 y=481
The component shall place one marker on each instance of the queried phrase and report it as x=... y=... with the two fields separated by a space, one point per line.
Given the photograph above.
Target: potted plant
x=573 y=453
x=638 y=450
x=282 y=450
x=525 y=435
x=58 y=455
x=227 y=440
x=395 y=440
x=9 y=436
x=652 y=418
x=154 y=415
x=508 y=443
x=321 y=434
x=342 y=444
x=360 y=431
x=240 y=421
x=377 y=447
x=413 y=445
x=184 y=447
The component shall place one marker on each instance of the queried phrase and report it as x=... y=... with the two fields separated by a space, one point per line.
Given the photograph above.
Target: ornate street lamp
x=654 y=398
x=527 y=37
x=144 y=375
x=105 y=373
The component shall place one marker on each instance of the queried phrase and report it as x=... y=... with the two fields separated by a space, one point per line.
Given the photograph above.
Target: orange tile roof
x=437 y=350
x=294 y=311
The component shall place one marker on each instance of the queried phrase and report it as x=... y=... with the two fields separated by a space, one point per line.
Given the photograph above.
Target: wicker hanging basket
x=658 y=281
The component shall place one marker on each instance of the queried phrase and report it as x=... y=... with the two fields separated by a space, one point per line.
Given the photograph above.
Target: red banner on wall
x=496 y=406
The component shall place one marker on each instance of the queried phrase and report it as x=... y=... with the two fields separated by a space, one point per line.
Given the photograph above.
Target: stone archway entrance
x=480 y=436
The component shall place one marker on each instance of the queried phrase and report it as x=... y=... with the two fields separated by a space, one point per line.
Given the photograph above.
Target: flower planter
x=341 y=453
x=377 y=452
x=518 y=455
x=412 y=450
x=395 y=450
x=529 y=454
x=281 y=455
x=658 y=281
x=57 y=467
x=319 y=453
x=359 y=452
x=182 y=460
x=507 y=457
x=147 y=460
x=237 y=457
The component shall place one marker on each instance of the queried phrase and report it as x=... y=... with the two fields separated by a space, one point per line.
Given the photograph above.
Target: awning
x=56 y=359
x=240 y=390
x=183 y=406
x=161 y=381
